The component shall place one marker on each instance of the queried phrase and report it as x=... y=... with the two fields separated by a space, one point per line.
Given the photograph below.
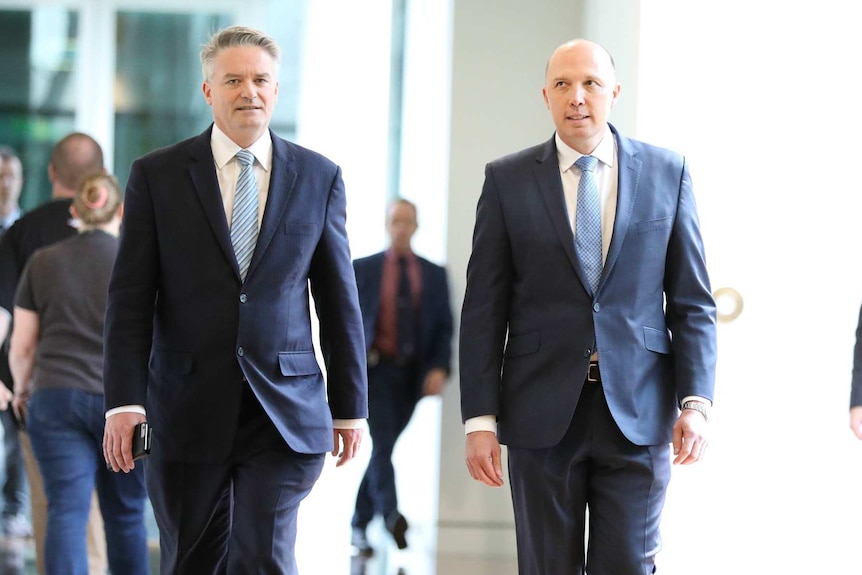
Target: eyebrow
x=230 y=75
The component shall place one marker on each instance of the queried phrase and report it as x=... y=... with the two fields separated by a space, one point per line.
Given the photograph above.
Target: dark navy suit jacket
x=435 y=321
x=183 y=329
x=529 y=323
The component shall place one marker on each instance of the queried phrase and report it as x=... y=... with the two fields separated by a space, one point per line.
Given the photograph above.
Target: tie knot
x=245 y=157
x=587 y=163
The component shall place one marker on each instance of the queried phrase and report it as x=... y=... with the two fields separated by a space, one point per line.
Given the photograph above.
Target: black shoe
x=397 y=526
x=360 y=542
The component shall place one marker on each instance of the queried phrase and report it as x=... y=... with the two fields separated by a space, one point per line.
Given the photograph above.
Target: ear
x=545 y=96
x=616 y=94
x=205 y=88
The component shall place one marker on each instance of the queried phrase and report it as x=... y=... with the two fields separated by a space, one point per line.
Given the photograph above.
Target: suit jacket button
x=588 y=352
x=597 y=307
x=243 y=298
x=240 y=352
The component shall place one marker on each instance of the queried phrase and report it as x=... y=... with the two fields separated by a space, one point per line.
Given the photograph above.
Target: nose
x=576 y=96
x=249 y=91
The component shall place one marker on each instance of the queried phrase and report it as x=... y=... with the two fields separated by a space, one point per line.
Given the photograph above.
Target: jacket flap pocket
x=297 y=363
x=657 y=340
x=523 y=344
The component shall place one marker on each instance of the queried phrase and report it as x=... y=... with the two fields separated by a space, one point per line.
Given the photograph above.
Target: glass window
x=157 y=89
x=37 y=105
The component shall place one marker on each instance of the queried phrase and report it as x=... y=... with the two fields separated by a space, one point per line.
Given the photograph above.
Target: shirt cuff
x=696 y=398
x=348 y=423
x=481 y=423
x=126 y=409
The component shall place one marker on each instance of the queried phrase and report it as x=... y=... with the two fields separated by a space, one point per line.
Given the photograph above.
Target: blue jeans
x=66 y=428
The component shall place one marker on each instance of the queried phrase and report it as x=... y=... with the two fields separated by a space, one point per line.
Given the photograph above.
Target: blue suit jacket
x=435 y=321
x=529 y=323
x=183 y=330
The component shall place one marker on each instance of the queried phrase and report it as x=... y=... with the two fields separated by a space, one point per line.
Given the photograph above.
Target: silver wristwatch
x=698 y=406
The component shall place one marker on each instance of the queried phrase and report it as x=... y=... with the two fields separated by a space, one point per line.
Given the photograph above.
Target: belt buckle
x=593 y=373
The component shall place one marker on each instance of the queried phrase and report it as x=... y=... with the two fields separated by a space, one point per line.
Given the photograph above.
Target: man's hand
x=19 y=404
x=484 y=458
x=434 y=382
x=5 y=397
x=856 y=420
x=117 y=441
x=350 y=439
x=689 y=437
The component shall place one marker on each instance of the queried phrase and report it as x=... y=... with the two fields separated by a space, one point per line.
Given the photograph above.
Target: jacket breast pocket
x=292 y=363
x=657 y=340
x=299 y=229
x=655 y=225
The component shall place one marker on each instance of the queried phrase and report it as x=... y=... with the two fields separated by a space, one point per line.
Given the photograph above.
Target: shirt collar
x=224 y=149
x=604 y=151
x=392 y=256
x=11 y=218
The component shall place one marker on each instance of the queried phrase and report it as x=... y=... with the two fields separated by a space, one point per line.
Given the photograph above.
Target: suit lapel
x=547 y=172
x=203 y=175
x=281 y=187
x=629 y=172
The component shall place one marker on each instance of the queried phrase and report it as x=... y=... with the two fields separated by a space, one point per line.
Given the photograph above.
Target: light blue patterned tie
x=588 y=224
x=243 y=225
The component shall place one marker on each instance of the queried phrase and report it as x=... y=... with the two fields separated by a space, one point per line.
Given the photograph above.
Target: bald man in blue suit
x=218 y=359
x=586 y=378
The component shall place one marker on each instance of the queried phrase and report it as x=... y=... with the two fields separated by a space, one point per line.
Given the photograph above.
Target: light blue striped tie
x=588 y=222
x=243 y=224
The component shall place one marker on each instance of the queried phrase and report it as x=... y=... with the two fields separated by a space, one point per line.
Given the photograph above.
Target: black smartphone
x=142 y=440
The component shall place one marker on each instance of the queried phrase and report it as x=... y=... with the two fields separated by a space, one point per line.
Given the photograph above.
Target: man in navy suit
x=408 y=333
x=219 y=359
x=587 y=378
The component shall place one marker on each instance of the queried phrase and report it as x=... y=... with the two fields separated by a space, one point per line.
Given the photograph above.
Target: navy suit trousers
x=593 y=468
x=392 y=398
x=234 y=517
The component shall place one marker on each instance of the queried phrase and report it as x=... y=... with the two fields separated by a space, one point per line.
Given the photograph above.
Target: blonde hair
x=97 y=199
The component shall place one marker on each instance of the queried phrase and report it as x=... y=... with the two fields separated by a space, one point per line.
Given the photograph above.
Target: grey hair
x=231 y=38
